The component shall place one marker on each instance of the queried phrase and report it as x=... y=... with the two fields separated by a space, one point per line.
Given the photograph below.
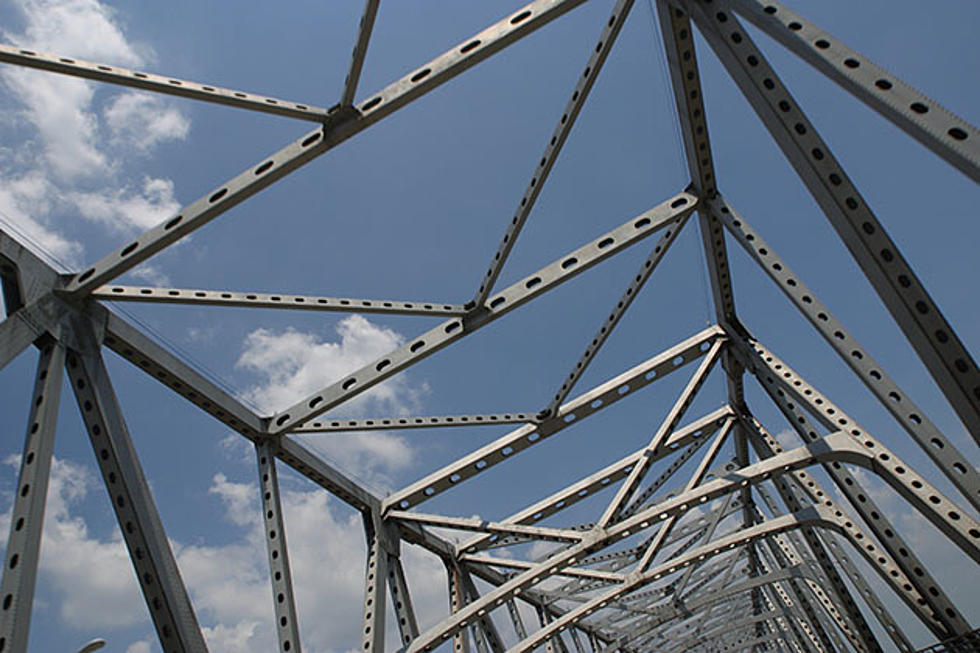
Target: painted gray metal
x=649 y=573
x=287 y=622
x=882 y=262
x=201 y=297
x=27 y=514
x=153 y=561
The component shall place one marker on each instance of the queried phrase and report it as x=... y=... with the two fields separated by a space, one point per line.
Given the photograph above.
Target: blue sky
x=412 y=209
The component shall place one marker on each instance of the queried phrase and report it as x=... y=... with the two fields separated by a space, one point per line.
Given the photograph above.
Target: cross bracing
x=709 y=534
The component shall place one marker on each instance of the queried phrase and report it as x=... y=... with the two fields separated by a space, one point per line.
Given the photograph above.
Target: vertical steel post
x=375 y=577
x=456 y=603
x=284 y=605
x=27 y=514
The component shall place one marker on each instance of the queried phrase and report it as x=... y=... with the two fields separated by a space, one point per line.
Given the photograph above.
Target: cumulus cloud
x=94 y=585
x=144 y=121
x=142 y=646
x=84 y=28
x=25 y=207
x=151 y=274
x=78 y=565
x=75 y=161
x=121 y=209
x=292 y=365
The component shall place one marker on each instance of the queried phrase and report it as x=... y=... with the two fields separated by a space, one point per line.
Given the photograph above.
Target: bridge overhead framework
x=713 y=535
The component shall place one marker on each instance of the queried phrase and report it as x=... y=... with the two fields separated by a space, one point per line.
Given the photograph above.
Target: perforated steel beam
x=924 y=119
x=337 y=128
x=912 y=418
x=283 y=602
x=631 y=580
x=582 y=406
x=401 y=600
x=915 y=312
x=156 y=569
x=286 y=301
x=583 y=86
x=364 y=28
x=668 y=216
x=375 y=579
x=27 y=514
x=147 y=81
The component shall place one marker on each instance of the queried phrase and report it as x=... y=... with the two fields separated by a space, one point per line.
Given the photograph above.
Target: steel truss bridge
x=639 y=576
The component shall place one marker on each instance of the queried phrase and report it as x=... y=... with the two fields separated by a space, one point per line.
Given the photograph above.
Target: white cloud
x=94 y=586
x=81 y=568
x=59 y=106
x=72 y=161
x=26 y=202
x=292 y=365
x=144 y=121
x=83 y=28
x=296 y=364
x=60 y=110
x=121 y=209
x=152 y=275
x=788 y=439
x=142 y=646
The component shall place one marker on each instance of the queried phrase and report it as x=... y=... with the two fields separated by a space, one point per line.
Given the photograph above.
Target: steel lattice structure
x=638 y=577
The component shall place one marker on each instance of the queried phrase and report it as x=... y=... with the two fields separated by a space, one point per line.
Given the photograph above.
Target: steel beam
x=484 y=623
x=917 y=315
x=682 y=66
x=457 y=600
x=153 y=561
x=577 y=409
x=375 y=578
x=932 y=441
x=401 y=600
x=924 y=119
x=284 y=605
x=27 y=513
x=286 y=301
x=515 y=617
x=512 y=563
x=481 y=526
x=668 y=215
x=337 y=128
x=364 y=29
x=340 y=425
x=583 y=86
x=99 y=72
